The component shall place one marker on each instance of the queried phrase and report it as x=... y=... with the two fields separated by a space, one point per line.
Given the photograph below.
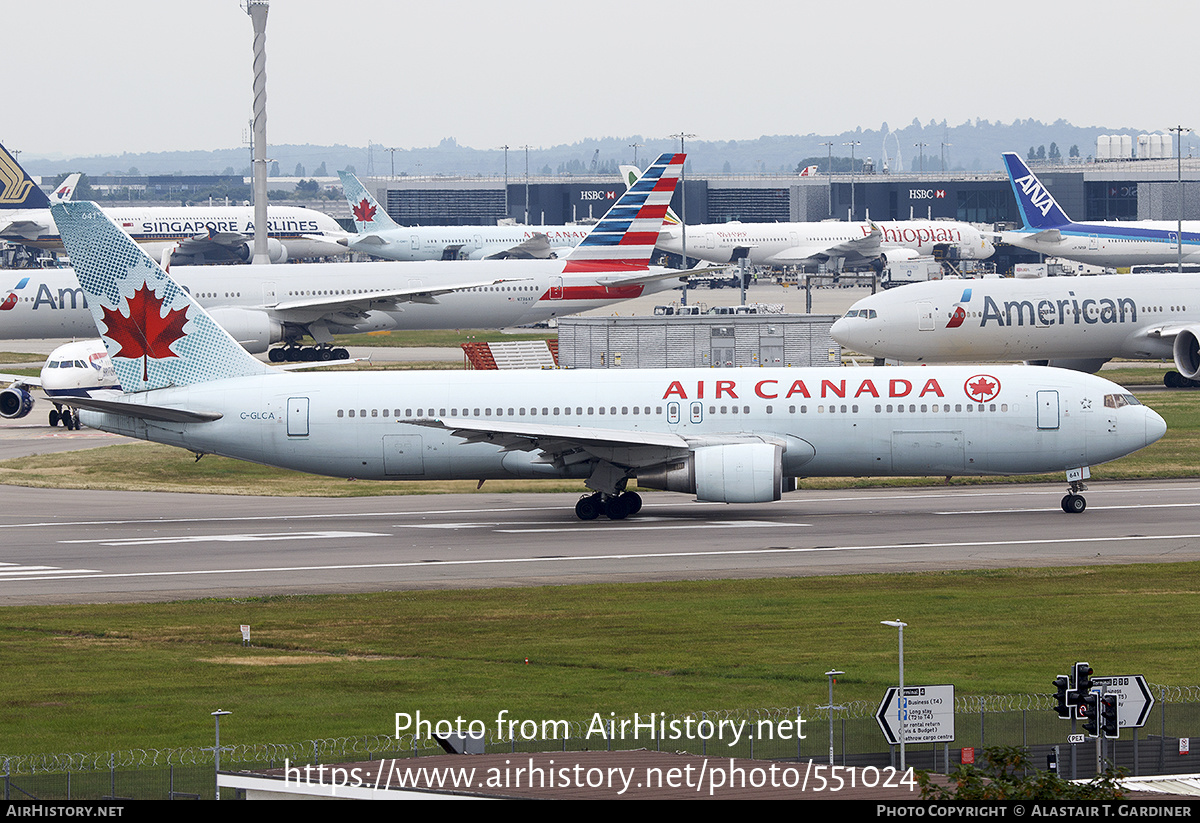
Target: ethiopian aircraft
x=261 y=306
x=1071 y=322
x=1048 y=230
x=380 y=236
x=794 y=244
x=195 y=234
x=737 y=438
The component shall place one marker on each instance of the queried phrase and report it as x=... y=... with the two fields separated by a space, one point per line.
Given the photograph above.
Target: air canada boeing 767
x=736 y=436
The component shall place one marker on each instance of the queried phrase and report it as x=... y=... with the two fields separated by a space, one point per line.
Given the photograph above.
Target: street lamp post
x=526 y=147
x=1179 y=131
x=506 y=214
x=217 y=715
x=683 y=206
x=831 y=674
x=829 y=145
x=896 y=624
x=922 y=146
x=852 y=144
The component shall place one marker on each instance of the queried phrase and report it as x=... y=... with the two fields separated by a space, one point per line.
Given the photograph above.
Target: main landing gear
x=307 y=354
x=69 y=419
x=1175 y=380
x=612 y=506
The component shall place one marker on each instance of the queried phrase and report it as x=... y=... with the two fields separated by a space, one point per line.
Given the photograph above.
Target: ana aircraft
x=79 y=369
x=738 y=437
x=260 y=307
x=1048 y=230
x=1071 y=322
x=794 y=244
x=195 y=234
x=379 y=235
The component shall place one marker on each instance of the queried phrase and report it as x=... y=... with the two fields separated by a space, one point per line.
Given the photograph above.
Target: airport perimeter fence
x=1027 y=721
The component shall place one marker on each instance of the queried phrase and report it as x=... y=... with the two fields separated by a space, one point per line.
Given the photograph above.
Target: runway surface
x=70 y=546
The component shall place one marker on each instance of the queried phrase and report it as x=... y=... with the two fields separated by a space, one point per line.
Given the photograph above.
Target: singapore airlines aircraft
x=1048 y=230
x=793 y=244
x=738 y=437
x=260 y=307
x=187 y=233
x=379 y=235
x=1071 y=322
x=79 y=369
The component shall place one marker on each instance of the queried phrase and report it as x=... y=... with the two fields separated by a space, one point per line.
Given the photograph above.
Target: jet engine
x=276 y=251
x=736 y=473
x=1187 y=352
x=898 y=255
x=15 y=402
x=254 y=329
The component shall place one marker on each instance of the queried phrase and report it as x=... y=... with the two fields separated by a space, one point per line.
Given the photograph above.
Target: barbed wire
x=368 y=747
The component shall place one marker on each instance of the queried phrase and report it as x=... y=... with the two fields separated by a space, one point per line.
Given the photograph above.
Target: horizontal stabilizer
x=140 y=411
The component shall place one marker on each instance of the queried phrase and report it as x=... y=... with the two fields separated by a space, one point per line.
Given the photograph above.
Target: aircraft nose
x=1156 y=427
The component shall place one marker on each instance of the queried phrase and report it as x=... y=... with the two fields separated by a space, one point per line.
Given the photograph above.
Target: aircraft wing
x=1043 y=236
x=310 y=309
x=564 y=445
x=535 y=248
x=654 y=275
x=142 y=411
x=19 y=380
x=867 y=246
x=18 y=230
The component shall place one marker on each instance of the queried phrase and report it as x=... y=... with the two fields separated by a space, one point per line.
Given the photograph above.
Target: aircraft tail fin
x=156 y=335
x=630 y=175
x=65 y=190
x=625 y=237
x=1039 y=209
x=369 y=216
x=17 y=189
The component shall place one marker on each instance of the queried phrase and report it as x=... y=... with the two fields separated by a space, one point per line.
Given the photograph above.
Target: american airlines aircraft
x=379 y=235
x=262 y=306
x=738 y=437
x=1071 y=322
x=1048 y=230
x=793 y=244
x=187 y=233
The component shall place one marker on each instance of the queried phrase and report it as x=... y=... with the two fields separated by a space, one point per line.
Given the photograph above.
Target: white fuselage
x=461 y=242
x=884 y=421
x=796 y=243
x=78 y=369
x=1130 y=315
x=303 y=232
x=42 y=303
x=1116 y=244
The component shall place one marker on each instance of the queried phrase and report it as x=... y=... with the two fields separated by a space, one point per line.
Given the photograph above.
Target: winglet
x=369 y=216
x=625 y=237
x=155 y=334
x=1039 y=209
x=17 y=189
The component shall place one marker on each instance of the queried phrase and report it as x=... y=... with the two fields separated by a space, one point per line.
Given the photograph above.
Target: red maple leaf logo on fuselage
x=984 y=388
x=364 y=212
x=145 y=332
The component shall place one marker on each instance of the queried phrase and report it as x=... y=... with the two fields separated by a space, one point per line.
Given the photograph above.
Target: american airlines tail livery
x=736 y=436
x=1047 y=229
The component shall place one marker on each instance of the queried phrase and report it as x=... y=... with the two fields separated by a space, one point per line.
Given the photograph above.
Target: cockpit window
x=868 y=314
x=1116 y=401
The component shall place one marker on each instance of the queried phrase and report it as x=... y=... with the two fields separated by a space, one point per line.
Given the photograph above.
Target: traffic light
x=1083 y=679
x=1108 y=716
x=1090 y=714
x=1062 y=685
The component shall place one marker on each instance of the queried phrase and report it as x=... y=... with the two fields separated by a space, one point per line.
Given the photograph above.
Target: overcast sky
x=87 y=77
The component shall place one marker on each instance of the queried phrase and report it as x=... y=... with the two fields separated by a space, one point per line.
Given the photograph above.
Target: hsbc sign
x=926 y=194
x=596 y=195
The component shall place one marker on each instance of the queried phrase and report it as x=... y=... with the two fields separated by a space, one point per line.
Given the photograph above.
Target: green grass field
x=103 y=677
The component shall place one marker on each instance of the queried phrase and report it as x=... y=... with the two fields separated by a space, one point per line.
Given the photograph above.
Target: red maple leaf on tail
x=145 y=332
x=364 y=212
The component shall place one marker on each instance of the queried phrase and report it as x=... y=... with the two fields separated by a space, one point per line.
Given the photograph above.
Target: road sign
x=1077 y=738
x=1134 y=700
x=926 y=712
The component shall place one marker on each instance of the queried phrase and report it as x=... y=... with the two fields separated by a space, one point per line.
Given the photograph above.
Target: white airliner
x=737 y=437
x=262 y=306
x=78 y=369
x=1071 y=322
x=794 y=244
x=187 y=233
x=1048 y=230
x=379 y=235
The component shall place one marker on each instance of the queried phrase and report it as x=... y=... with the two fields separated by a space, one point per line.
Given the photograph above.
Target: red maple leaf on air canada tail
x=145 y=333
x=364 y=212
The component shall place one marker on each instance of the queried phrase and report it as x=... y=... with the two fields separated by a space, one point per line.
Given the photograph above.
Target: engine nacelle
x=736 y=473
x=1187 y=352
x=276 y=251
x=15 y=402
x=254 y=329
x=898 y=255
